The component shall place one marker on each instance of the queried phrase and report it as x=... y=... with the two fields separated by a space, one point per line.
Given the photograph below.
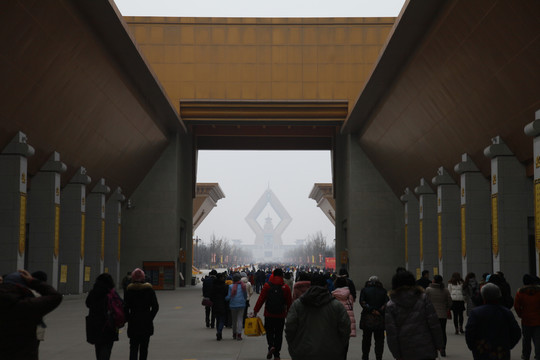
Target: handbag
x=206 y=302
x=254 y=327
x=370 y=321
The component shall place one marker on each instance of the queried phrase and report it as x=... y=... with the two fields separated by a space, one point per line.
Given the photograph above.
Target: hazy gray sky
x=254 y=8
x=245 y=175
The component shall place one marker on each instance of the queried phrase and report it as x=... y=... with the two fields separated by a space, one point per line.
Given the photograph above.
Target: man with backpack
x=276 y=296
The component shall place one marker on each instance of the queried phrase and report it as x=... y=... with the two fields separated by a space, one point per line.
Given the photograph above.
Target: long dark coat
x=98 y=328
x=219 y=292
x=140 y=307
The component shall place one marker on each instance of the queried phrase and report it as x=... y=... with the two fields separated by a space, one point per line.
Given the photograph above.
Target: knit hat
x=236 y=277
x=243 y=274
x=138 y=275
x=278 y=272
x=490 y=292
x=373 y=279
x=15 y=279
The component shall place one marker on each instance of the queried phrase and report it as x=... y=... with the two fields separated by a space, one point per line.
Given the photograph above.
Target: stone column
x=113 y=234
x=475 y=218
x=511 y=204
x=428 y=228
x=44 y=219
x=412 y=235
x=72 y=233
x=13 y=182
x=533 y=129
x=95 y=233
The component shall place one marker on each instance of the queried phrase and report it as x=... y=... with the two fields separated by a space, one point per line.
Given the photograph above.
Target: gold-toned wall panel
x=261 y=59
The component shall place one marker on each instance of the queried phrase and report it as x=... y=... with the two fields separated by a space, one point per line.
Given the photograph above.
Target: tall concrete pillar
x=13 y=183
x=412 y=231
x=533 y=129
x=44 y=219
x=428 y=228
x=113 y=233
x=475 y=218
x=72 y=233
x=448 y=225
x=511 y=204
x=95 y=233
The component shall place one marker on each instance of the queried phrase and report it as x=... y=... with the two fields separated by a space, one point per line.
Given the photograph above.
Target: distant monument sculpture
x=268 y=241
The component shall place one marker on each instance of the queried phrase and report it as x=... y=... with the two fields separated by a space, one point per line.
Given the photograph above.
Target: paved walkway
x=180 y=334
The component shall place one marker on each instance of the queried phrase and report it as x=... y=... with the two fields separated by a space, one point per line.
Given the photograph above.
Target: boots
x=234 y=336
x=457 y=331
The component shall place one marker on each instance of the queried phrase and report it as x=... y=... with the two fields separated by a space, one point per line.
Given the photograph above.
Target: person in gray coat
x=317 y=326
x=412 y=327
x=440 y=297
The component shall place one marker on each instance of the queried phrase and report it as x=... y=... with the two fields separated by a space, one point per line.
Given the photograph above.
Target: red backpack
x=115 y=310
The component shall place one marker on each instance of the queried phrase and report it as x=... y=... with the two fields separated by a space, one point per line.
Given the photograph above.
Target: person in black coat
x=219 y=308
x=140 y=307
x=99 y=331
x=208 y=283
x=373 y=299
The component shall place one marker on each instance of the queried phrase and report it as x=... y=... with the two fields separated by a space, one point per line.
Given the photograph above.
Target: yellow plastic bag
x=251 y=327
x=262 y=330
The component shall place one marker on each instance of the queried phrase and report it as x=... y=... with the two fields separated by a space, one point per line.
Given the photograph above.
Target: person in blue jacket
x=237 y=296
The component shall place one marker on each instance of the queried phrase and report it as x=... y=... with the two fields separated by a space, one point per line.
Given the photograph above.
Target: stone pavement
x=180 y=334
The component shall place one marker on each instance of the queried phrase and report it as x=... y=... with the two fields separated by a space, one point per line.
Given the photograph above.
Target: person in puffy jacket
x=455 y=286
x=318 y=326
x=302 y=285
x=219 y=308
x=140 y=307
x=527 y=306
x=237 y=297
x=343 y=294
x=373 y=299
x=20 y=313
x=412 y=327
x=440 y=297
x=491 y=331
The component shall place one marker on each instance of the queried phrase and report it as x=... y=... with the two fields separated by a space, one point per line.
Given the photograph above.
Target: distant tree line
x=313 y=252
x=219 y=252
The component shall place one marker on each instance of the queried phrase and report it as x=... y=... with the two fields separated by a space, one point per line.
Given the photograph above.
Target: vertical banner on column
x=439 y=234
x=494 y=225
x=421 y=241
x=56 y=230
x=102 y=239
x=406 y=243
x=463 y=236
x=119 y=240
x=83 y=225
x=22 y=224
x=537 y=219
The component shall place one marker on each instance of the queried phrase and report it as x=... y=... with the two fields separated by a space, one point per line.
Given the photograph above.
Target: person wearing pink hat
x=141 y=307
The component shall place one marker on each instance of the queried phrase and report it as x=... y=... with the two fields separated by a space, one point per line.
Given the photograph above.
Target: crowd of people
x=315 y=310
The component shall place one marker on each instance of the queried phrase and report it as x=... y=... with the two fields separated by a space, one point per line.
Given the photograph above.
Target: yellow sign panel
x=63 y=274
x=463 y=236
x=106 y=270
x=102 y=239
x=22 y=224
x=537 y=213
x=119 y=240
x=435 y=270
x=56 y=229
x=418 y=273
x=406 y=243
x=421 y=240
x=344 y=257
x=87 y=272
x=494 y=225
x=83 y=224
x=439 y=234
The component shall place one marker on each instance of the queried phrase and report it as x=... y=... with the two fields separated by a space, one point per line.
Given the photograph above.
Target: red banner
x=330 y=263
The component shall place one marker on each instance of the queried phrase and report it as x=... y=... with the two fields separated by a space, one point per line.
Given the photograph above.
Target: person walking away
x=373 y=299
x=471 y=292
x=219 y=308
x=276 y=297
x=491 y=330
x=506 y=292
x=41 y=326
x=126 y=281
x=21 y=311
x=440 y=297
x=318 y=326
x=343 y=294
x=289 y=281
x=412 y=325
x=301 y=286
x=455 y=286
x=141 y=307
x=424 y=280
x=527 y=306
x=99 y=330
x=350 y=284
x=237 y=296
x=208 y=282
x=249 y=289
